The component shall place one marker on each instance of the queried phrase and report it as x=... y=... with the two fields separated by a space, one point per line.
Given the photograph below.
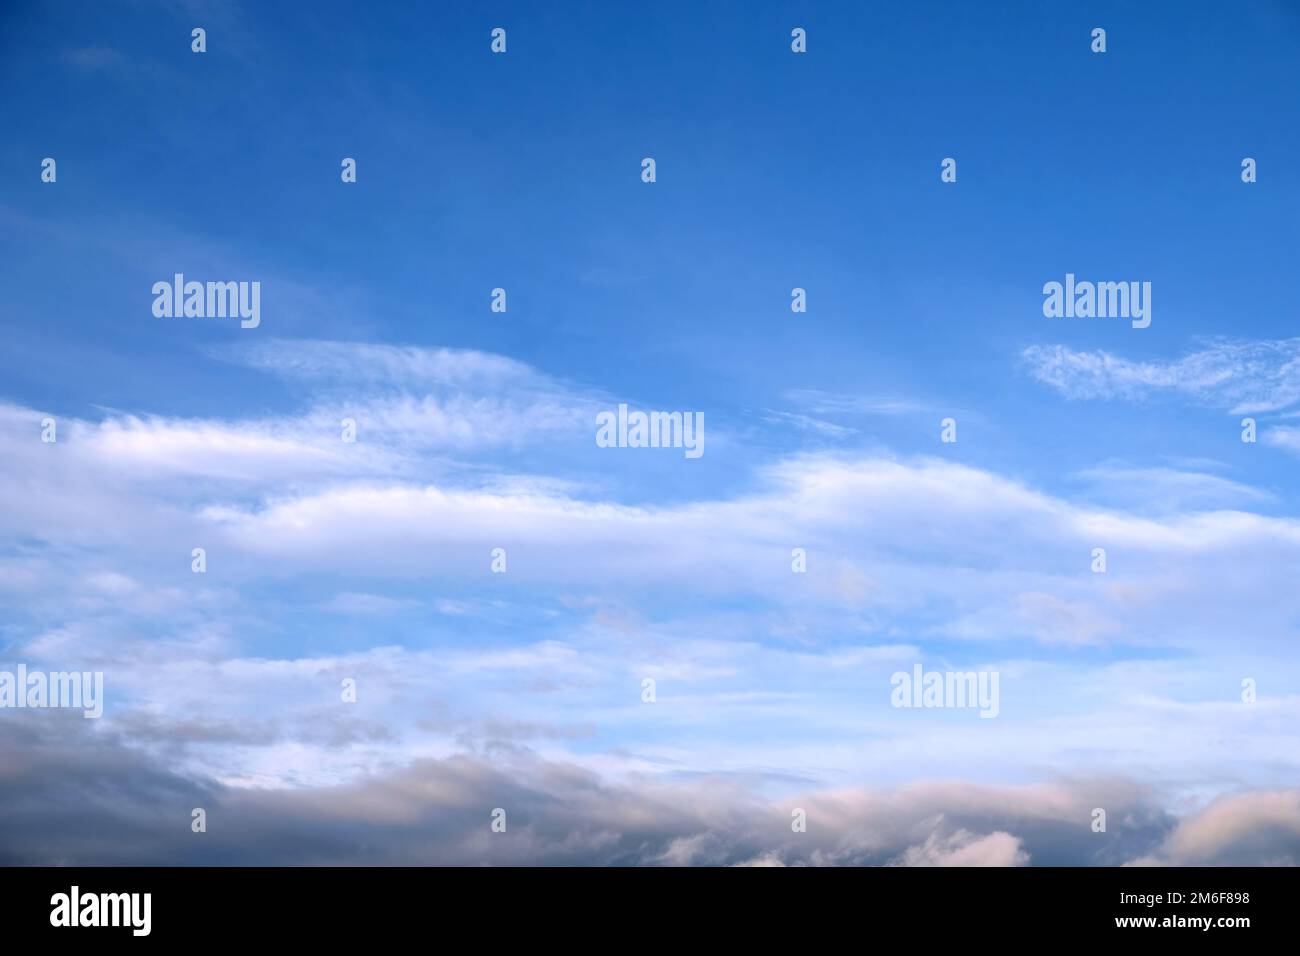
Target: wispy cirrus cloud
x=1238 y=376
x=1162 y=489
x=831 y=403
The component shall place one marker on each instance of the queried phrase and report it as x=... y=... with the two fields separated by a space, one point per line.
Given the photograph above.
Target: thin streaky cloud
x=1237 y=376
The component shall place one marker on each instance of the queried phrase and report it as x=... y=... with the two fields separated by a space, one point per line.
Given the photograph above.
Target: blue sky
x=775 y=170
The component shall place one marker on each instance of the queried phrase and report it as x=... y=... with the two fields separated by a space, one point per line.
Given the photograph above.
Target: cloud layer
x=73 y=797
x=330 y=561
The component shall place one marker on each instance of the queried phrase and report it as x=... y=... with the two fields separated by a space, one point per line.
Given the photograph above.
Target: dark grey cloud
x=71 y=793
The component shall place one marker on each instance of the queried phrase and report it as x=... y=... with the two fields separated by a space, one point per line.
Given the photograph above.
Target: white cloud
x=1164 y=490
x=352 y=602
x=830 y=403
x=1286 y=437
x=1240 y=377
x=1260 y=828
x=765 y=673
x=966 y=849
